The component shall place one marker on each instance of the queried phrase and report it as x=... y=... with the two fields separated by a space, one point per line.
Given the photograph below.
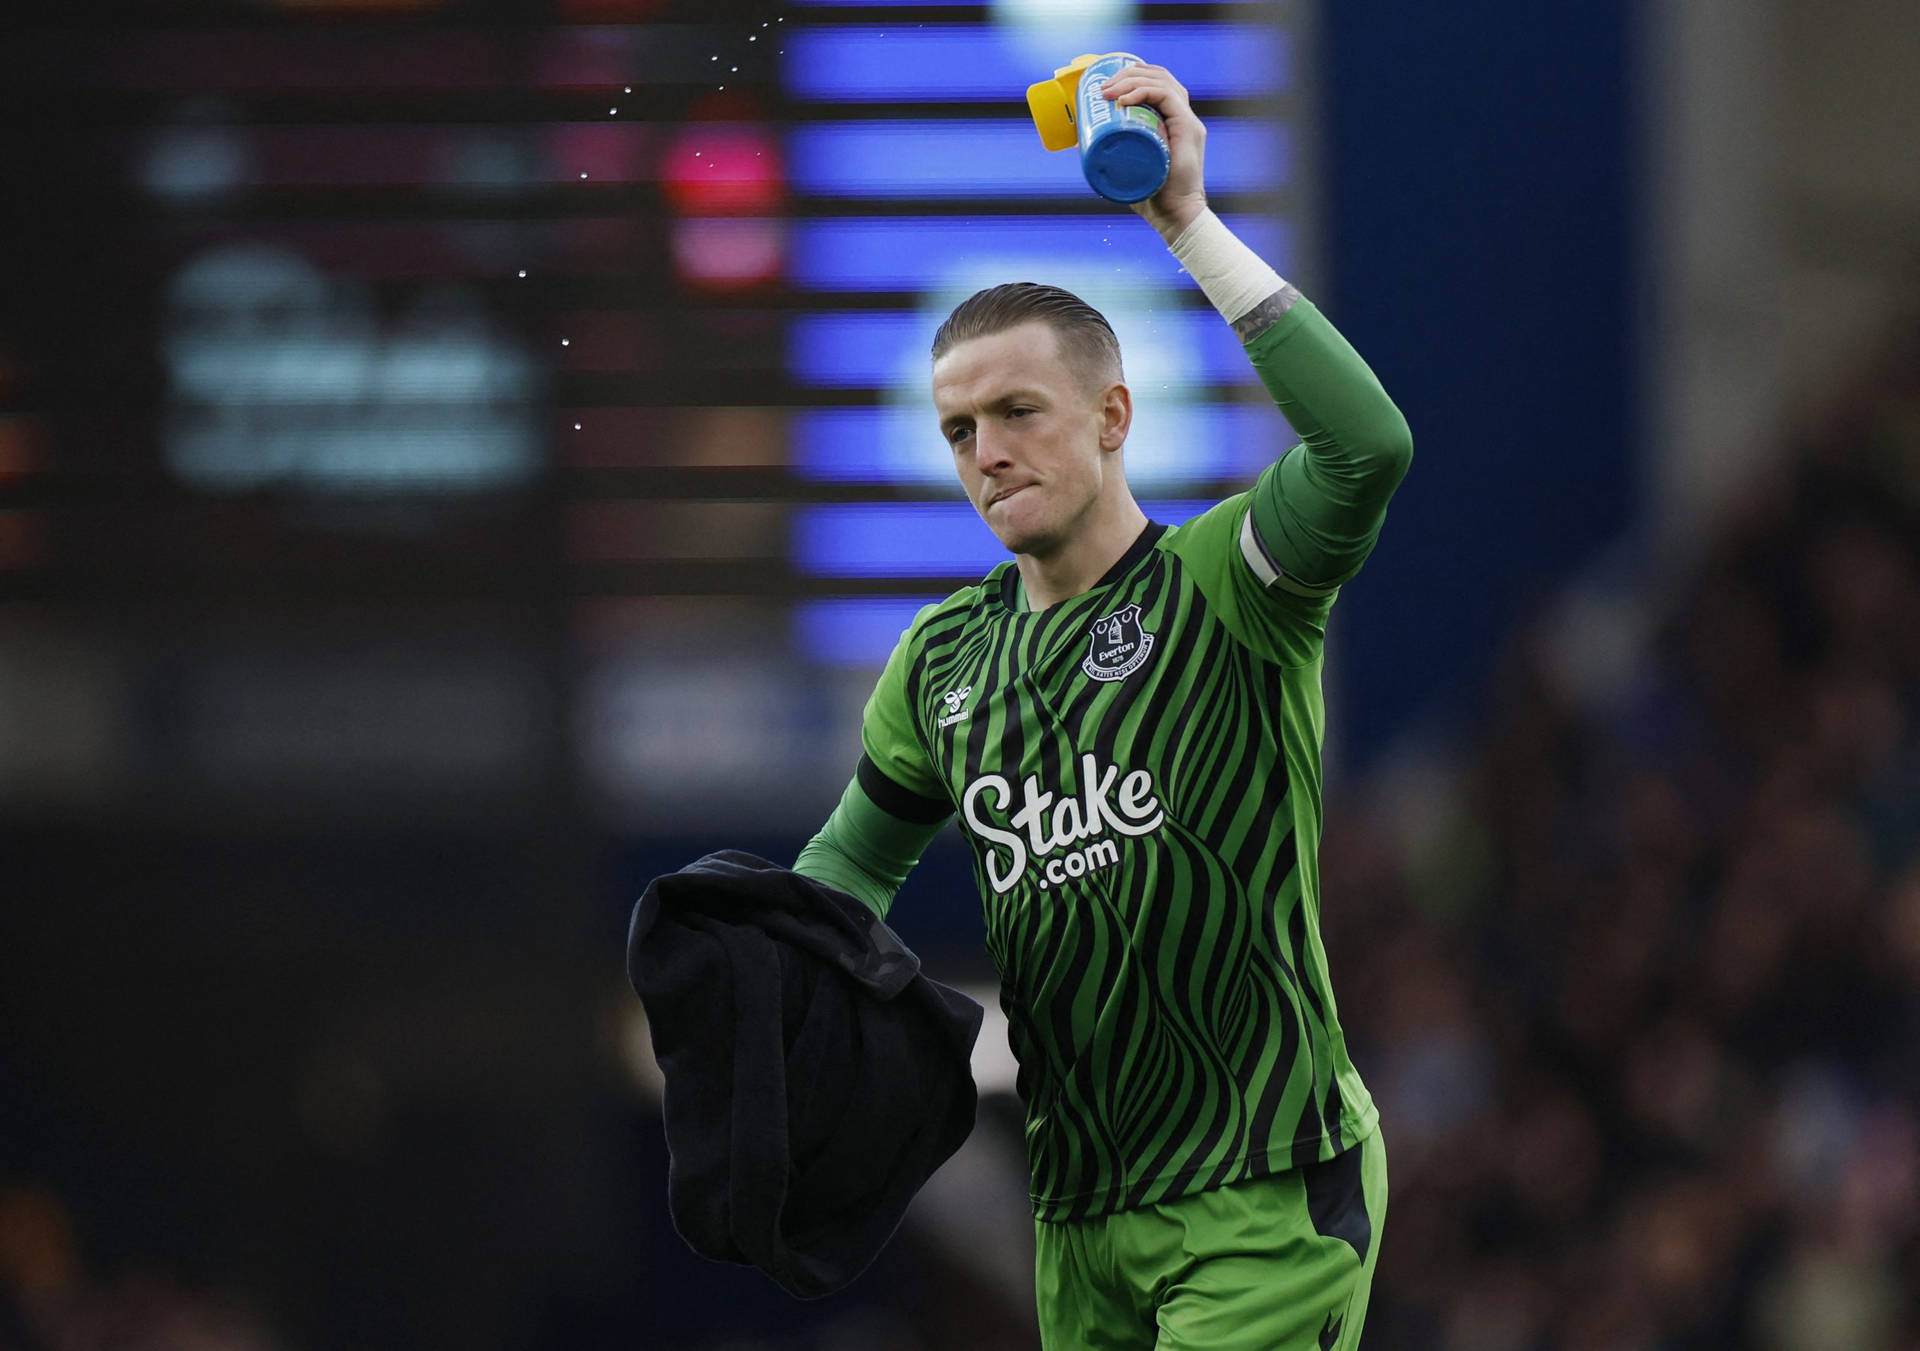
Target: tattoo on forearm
x=1262 y=316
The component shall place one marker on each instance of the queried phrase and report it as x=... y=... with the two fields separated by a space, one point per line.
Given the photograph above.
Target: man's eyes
x=954 y=435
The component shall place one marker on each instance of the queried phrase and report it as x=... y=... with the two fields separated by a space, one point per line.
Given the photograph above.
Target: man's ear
x=1116 y=416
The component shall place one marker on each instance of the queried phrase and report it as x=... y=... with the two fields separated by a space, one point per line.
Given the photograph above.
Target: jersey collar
x=1010 y=579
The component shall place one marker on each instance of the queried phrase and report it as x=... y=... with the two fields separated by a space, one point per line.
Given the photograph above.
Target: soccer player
x=1127 y=720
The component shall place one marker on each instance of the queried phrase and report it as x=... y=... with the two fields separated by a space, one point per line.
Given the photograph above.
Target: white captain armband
x=1270 y=573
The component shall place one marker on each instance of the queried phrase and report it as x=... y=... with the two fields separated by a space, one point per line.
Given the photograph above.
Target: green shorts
x=1272 y=1264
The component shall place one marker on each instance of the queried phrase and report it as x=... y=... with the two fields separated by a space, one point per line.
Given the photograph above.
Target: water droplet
x=714 y=57
x=566 y=342
x=583 y=175
x=627 y=90
x=734 y=69
x=696 y=154
x=612 y=111
x=523 y=272
x=576 y=426
x=753 y=37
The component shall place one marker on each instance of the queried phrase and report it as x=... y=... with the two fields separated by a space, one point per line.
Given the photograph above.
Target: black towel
x=814 y=1078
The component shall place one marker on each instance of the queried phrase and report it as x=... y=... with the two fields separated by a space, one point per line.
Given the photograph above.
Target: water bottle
x=1123 y=151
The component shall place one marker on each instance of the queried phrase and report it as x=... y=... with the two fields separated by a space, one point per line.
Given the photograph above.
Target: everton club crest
x=1117 y=645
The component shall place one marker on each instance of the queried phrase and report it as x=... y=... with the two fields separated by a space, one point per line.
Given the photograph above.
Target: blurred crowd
x=1641 y=1003
x=51 y=1301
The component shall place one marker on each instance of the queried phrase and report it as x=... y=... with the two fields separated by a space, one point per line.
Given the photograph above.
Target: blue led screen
x=925 y=211
x=914 y=62
x=853 y=630
x=917 y=253
x=943 y=159
x=917 y=539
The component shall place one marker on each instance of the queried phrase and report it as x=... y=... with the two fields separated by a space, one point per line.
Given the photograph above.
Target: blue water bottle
x=1123 y=151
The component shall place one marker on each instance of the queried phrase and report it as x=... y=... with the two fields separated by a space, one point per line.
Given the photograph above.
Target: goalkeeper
x=1127 y=720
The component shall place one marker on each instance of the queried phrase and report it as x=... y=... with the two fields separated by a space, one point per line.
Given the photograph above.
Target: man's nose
x=987 y=451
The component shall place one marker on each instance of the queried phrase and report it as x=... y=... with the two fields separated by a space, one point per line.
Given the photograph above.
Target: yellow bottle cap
x=1051 y=103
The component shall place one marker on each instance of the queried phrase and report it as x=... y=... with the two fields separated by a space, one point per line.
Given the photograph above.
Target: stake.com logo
x=1133 y=811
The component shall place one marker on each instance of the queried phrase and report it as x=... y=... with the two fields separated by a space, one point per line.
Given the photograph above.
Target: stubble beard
x=1048 y=537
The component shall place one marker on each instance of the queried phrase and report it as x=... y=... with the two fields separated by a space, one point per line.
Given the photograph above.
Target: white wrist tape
x=1233 y=275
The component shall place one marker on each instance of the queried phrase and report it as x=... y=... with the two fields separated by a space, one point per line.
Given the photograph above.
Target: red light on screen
x=729 y=254
x=722 y=169
x=726 y=182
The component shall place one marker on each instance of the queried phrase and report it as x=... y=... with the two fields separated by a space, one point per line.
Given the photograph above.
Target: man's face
x=1027 y=436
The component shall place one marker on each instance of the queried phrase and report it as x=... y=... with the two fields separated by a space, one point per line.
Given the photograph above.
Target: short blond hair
x=1086 y=340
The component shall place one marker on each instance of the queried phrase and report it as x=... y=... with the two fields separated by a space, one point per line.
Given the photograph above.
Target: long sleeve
x=1318 y=510
x=895 y=802
x=865 y=850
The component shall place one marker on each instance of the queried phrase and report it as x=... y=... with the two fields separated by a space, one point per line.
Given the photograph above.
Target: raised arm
x=1318 y=510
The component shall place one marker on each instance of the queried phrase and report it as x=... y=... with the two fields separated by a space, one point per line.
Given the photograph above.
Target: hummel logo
x=1330 y=1334
x=954 y=699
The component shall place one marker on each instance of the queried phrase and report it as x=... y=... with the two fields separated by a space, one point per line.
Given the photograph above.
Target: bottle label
x=1100 y=108
x=1100 y=114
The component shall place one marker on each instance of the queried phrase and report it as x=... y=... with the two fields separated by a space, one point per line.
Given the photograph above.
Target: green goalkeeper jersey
x=1137 y=770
